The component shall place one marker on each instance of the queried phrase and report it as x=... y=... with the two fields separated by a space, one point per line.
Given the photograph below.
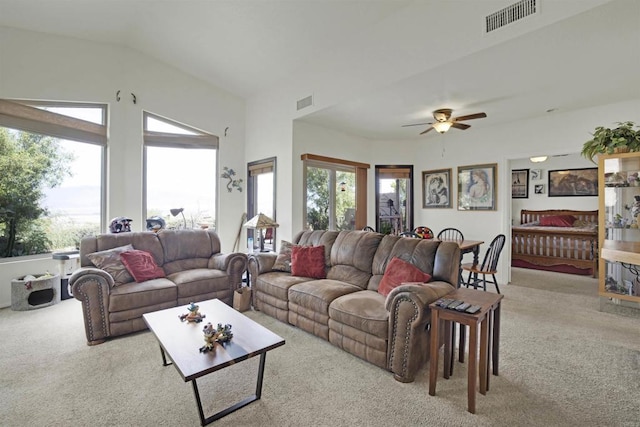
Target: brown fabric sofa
x=191 y=260
x=345 y=309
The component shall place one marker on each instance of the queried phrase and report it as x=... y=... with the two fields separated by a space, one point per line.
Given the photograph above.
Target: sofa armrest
x=260 y=262
x=92 y=286
x=234 y=264
x=409 y=317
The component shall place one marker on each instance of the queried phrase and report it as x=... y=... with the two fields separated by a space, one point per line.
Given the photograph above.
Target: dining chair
x=451 y=234
x=410 y=234
x=488 y=267
x=368 y=228
x=455 y=235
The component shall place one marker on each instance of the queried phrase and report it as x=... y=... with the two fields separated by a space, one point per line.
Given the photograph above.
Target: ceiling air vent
x=510 y=14
x=305 y=102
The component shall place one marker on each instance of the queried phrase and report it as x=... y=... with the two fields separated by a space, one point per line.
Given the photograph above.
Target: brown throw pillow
x=110 y=262
x=141 y=265
x=283 y=261
x=308 y=261
x=398 y=272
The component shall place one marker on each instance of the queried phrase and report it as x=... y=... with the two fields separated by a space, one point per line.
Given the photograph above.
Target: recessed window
x=335 y=193
x=51 y=186
x=180 y=164
x=261 y=198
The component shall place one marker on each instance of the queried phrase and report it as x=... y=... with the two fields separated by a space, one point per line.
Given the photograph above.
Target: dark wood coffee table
x=181 y=341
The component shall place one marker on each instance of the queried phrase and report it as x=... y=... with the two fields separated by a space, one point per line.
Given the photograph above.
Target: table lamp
x=177 y=211
x=261 y=222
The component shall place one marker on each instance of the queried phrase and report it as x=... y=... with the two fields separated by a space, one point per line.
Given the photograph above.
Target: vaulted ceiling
x=429 y=54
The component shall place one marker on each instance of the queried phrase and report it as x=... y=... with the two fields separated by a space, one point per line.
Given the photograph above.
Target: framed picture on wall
x=520 y=184
x=536 y=174
x=477 y=187
x=539 y=189
x=573 y=182
x=436 y=188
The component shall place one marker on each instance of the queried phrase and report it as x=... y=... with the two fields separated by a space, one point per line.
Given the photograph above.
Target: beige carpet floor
x=563 y=363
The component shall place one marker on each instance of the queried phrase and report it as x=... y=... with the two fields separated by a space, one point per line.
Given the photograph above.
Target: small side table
x=488 y=318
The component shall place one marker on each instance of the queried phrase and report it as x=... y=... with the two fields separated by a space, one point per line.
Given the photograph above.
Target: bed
x=556 y=240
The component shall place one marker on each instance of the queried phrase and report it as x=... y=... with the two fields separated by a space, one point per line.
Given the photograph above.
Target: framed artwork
x=573 y=182
x=477 y=189
x=536 y=174
x=436 y=188
x=539 y=189
x=520 y=184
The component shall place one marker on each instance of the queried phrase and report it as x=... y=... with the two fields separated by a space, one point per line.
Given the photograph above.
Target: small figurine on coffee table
x=212 y=335
x=194 y=315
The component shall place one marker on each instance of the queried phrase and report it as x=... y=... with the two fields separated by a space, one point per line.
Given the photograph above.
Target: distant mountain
x=80 y=200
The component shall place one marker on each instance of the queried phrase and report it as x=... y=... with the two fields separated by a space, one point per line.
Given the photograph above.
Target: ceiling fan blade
x=428 y=129
x=471 y=117
x=460 y=126
x=416 y=124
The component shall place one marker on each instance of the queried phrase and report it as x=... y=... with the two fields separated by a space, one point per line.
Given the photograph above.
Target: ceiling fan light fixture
x=538 y=159
x=442 y=127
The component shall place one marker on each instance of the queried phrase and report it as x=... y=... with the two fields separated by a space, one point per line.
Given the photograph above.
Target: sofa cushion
x=199 y=281
x=316 y=295
x=110 y=262
x=141 y=265
x=399 y=271
x=364 y=311
x=283 y=261
x=308 y=261
x=351 y=256
x=135 y=295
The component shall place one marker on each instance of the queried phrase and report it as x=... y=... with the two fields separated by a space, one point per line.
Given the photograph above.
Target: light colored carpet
x=563 y=363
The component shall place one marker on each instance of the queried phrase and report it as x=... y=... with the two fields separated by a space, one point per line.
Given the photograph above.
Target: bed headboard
x=527 y=216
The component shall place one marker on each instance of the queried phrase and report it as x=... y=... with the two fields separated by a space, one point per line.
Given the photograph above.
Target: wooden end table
x=488 y=318
x=181 y=341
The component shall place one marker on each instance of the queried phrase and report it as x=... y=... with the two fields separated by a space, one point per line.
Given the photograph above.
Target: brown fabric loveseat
x=346 y=309
x=190 y=260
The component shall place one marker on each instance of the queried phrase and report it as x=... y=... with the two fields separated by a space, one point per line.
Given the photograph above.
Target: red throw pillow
x=308 y=261
x=398 y=272
x=141 y=265
x=558 y=221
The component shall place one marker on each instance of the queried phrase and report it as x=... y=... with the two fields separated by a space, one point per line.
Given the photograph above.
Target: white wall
x=39 y=66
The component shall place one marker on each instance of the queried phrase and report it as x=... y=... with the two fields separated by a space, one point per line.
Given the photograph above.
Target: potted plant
x=623 y=138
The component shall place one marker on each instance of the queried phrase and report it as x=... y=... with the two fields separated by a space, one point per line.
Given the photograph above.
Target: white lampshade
x=442 y=127
x=261 y=221
x=538 y=159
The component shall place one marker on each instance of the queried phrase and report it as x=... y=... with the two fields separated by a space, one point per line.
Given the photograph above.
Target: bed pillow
x=141 y=265
x=283 y=261
x=398 y=272
x=308 y=261
x=558 y=221
x=110 y=262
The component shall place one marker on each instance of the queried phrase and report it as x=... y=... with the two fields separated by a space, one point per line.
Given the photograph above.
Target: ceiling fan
x=444 y=121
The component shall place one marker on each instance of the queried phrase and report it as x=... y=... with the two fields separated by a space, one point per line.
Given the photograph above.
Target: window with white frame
x=180 y=178
x=52 y=191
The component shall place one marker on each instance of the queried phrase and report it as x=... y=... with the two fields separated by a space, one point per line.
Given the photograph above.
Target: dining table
x=467 y=246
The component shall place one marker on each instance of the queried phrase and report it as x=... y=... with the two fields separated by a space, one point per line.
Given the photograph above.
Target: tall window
x=261 y=198
x=394 y=199
x=52 y=180
x=335 y=193
x=180 y=164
